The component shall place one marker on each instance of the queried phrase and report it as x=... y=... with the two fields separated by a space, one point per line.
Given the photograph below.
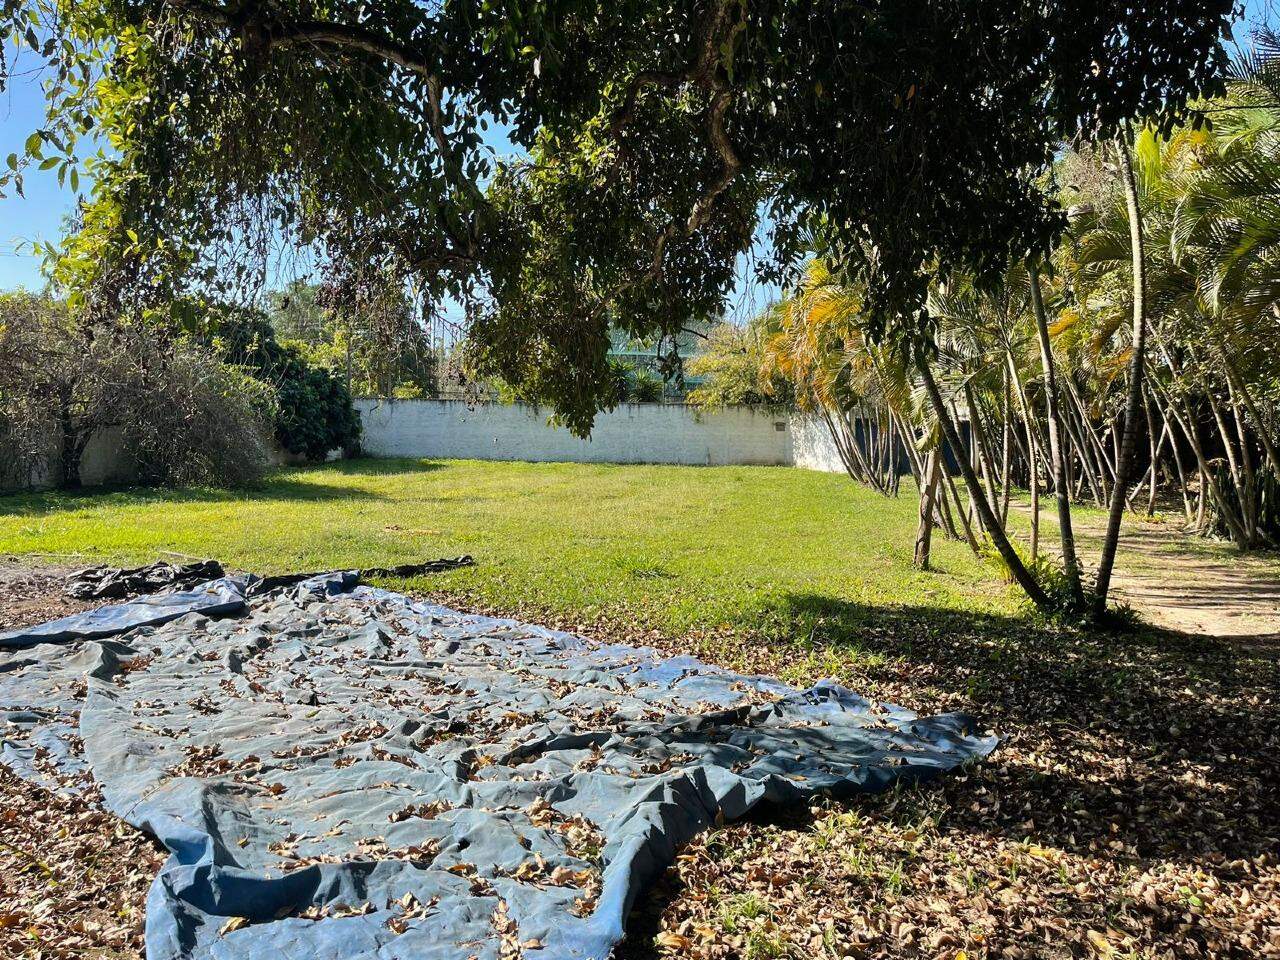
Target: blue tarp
x=344 y=773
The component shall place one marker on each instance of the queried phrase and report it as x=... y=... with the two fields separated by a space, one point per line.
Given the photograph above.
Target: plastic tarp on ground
x=353 y=774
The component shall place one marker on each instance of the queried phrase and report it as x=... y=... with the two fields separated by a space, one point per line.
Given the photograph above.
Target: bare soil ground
x=1175 y=579
x=1183 y=582
x=1130 y=812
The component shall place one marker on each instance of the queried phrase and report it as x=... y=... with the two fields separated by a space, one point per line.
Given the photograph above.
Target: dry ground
x=1131 y=812
x=1177 y=580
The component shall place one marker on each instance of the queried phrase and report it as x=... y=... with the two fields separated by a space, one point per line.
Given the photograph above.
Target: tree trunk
x=1208 y=483
x=985 y=512
x=71 y=450
x=1124 y=459
x=1156 y=447
x=958 y=508
x=1006 y=464
x=928 y=493
x=1066 y=535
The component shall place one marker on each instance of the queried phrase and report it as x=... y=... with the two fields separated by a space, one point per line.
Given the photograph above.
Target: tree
x=1061 y=484
x=905 y=138
x=61 y=380
x=733 y=368
x=313 y=410
x=179 y=414
x=1137 y=355
x=1207 y=201
x=816 y=340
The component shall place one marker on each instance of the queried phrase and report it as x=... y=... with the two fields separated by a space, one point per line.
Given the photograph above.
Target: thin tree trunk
x=1124 y=459
x=1033 y=453
x=1182 y=474
x=1237 y=473
x=1006 y=464
x=924 y=532
x=1010 y=556
x=1106 y=472
x=1246 y=397
x=1208 y=482
x=1156 y=447
x=1066 y=535
x=1087 y=473
x=961 y=512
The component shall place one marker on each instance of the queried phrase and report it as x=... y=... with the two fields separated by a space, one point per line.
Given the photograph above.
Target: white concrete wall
x=813 y=445
x=632 y=433
x=104 y=462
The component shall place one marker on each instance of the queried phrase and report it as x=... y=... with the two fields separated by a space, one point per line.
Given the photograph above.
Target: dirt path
x=1183 y=582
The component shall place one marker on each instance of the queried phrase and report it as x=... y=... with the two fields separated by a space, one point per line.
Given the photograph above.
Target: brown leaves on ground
x=1131 y=811
x=29 y=596
x=73 y=878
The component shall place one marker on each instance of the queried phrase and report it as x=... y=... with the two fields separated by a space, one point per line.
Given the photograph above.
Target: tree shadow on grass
x=378 y=467
x=283 y=486
x=1133 y=749
x=1161 y=704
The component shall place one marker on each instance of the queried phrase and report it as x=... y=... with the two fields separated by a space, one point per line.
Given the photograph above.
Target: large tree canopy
x=904 y=137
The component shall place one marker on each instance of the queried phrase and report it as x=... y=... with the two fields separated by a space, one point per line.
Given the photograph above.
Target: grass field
x=764 y=551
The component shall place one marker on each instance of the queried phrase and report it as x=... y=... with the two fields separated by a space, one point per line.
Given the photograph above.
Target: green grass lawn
x=759 y=550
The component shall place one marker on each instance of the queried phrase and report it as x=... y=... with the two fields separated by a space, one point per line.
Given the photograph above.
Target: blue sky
x=39 y=216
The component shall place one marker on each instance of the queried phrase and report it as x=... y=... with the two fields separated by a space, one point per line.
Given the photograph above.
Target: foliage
x=643 y=386
x=205 y=427
x=1210 y=201
x=314 y=413
x=372 y=341
x=733 y=367
x=903 y=138
x=183 y=416
x=817 y=340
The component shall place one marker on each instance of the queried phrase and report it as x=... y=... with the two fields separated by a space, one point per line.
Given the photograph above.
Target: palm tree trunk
x=1087 y=473
x=1246 y=397
x=1208 y=482
x=1033 y=453
x=1066 y=535
x=928 y=492
x=1010 y=556
x=1156 y=447
x=1124 y=459
x=1103 y=465
x=1006 y=464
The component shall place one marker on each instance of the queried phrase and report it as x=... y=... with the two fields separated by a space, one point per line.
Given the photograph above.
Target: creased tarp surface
x=226 y=595
x=358 y=775
x=108 y=583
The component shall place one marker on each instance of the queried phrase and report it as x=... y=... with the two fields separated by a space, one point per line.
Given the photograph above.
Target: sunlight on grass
x=772 y=550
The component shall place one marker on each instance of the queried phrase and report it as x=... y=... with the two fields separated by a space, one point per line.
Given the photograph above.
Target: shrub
x=644 y=387
x=208 y=423
x=184 y=416
x=314 y=412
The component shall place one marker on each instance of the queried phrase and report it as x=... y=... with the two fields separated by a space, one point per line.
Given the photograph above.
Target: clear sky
x=39 y=216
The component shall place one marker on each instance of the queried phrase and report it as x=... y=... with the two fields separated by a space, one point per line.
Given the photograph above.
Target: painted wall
x=813 y=446
x=104 y=462
x=632 y=433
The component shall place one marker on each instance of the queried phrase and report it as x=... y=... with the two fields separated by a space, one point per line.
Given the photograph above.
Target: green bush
x=644 y=387
x=314 y=412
